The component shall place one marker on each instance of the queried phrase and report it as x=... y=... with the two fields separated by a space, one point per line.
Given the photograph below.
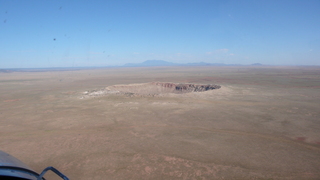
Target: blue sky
x=61 y=33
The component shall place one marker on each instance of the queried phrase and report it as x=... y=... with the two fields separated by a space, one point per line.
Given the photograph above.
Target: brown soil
x=263 y=123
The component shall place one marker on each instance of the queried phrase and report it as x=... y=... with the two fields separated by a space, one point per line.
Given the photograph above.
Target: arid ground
x=263 y=123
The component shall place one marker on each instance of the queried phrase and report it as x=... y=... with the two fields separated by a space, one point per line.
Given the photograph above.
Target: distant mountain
x=206 y=64
x=198 y=64
x=152 y=63
x=257 y=64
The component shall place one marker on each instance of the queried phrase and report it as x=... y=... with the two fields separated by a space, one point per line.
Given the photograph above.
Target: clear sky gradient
x=61 y=33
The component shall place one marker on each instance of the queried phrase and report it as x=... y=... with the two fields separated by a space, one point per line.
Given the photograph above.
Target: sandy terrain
x=263 y=123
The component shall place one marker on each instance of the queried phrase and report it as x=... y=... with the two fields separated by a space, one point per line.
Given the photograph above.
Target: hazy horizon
x=141 y=64
x=45 y=34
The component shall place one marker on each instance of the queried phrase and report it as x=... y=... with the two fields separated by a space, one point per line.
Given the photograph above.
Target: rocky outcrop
x=150 y=89
x=184 y=88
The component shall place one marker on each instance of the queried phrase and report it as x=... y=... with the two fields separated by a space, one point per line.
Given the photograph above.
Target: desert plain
x=263 y=123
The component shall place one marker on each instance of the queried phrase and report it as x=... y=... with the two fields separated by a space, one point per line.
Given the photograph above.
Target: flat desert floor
x=263 y=123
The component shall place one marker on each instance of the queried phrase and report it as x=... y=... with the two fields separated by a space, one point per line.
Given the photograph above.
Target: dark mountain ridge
x=152 y=63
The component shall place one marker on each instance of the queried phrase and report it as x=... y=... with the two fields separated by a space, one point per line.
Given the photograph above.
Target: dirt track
x=263 y=123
